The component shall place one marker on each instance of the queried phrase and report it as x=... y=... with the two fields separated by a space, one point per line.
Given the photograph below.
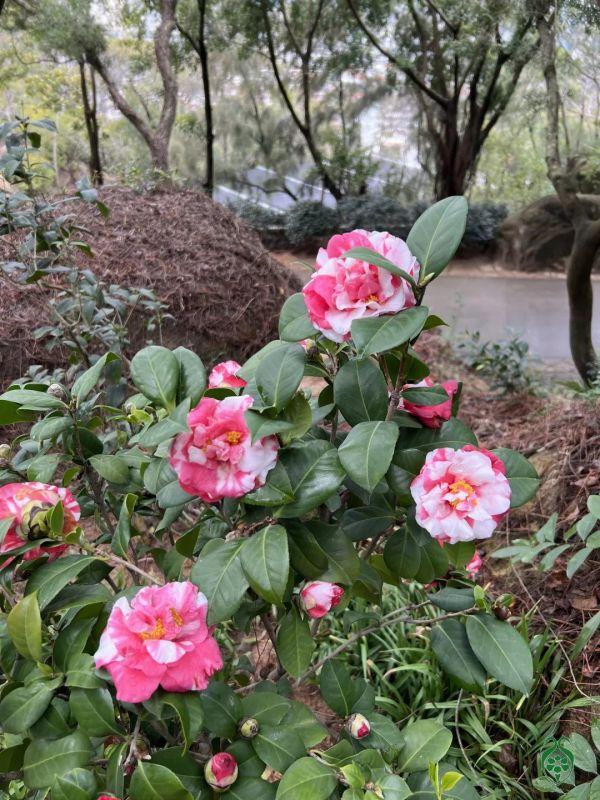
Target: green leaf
x=378 y=334
x=86 y=382
x=49 y=579
x=279 y=374
x=31 y=399
x=294 y=322
x=219 y=574
x=277 y=490
x=452 y=599
x=453 y=433
x=190 y=710
x=585 y=758
x=502 y=651
x=54 y=723
x=50 y=427
x=192 y=376
x=94 y=711
x=402 y=554
x=81 y=673
x=451 y=646
x=295 y=643
x=24 y=625
x=588 y=630
x=314 y=471
x=366 y=521
x=372 y=257
x=366 y=453
x=266 y=563
x=47 y=760
x=522 y=477
x=222 y=710
x=424 y=741
x=577 y=561
x=278 y=747
x=436 y=235
x=250 y=788
x=112 y=468
x=384 y=734
x=425 y=395
x=155 y=782
x=593 y=504
x=122 y=534
x=307 y=779
x=155 y=372
x=267 y=708
x=337 y=687
x=360 y=391
x=115 y=775
x=303 y=721
x=21 y=708
x=77 y=784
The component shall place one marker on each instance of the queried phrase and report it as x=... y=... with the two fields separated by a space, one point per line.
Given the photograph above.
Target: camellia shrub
x=152 y=553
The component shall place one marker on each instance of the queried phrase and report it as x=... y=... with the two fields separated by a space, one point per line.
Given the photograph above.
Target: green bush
x=309 y=222
x=483 y=222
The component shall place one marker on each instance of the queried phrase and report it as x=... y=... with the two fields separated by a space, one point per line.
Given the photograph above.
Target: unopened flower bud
x=129 y=407
x=249 y=728
x=271 y=775
x=358 y=726
x=34 y=521
x=56 y=390
x=5 y=452
x=319 y=597
x=221 y=771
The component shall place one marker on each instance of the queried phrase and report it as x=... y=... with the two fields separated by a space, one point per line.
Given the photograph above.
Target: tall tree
x=158 y=136
x=562 y=173
x=192 y=23
x=462 y=60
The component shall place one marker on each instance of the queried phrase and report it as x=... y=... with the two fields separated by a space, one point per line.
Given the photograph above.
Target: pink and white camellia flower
x=217 y=458
x=319 y=597
x=344 y=289
x=28 y=504
x=225 y=376
x=160 y=639
x=461 y=495
x=221 y=771
x=475 y=564
x=431 y=416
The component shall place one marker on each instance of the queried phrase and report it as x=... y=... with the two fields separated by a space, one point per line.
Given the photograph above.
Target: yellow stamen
x=157 y=632
x=460 y=487
x=177 y=618
x=372 y=298
x=233 y=437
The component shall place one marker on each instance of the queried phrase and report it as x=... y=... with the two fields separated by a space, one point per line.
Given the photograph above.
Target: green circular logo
x=557 y=759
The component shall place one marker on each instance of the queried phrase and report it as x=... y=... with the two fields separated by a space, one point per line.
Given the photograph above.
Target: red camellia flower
x=461 y=495
x=28 y=505
x=319 y=597
x=345 y=289
x=217 y=458
x=431 y=416
x=475 y=564
x=161 y=639
x=224 y=376
x=221 y=771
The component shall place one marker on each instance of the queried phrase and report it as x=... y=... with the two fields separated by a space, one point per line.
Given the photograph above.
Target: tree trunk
x=91 y=123
x=209 y=180
x=581 y=299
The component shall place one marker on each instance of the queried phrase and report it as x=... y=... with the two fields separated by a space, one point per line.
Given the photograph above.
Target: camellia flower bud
x=358 y=726
x=56 y=390
x=221 y=771
x=319 y=597
x=34 y=521
x=108 y=797
x=5 y=452
x=249 y=728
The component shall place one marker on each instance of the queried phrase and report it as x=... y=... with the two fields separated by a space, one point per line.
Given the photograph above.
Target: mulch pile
x=222 y=287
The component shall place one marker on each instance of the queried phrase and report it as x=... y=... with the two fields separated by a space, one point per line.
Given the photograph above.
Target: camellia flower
x=161 y=639
x=319 y=597
x=221 y=771
x=431 y=416
x=358 y=726
x=475 y=564
x=107 y=797
x=28 y=504
x=344 y=289
x=217 y=458
x=224 y=376
x=461 y=494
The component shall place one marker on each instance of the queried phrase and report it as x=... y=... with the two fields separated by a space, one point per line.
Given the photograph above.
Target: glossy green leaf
x=267 y=708
x=49 y=579
x=360 y=391
x=94 y=711
x=222 y=710
x=366 y=521
x=219 y=574
x=295 y=643
x=314 y=471
x=278 y=747
x=192 y=376
x=451 y=646
x=501 y=650
x=337 y=687
x=425 y=395
x=155 y=782
x=436 y=235
x=522 y=477
x=379 y=334
x=47 y=760
x=266 y=563
x=113 y=468
x=23 y=707
x=307 y=779
x=375 y=258
x=77 y=784
x=24 y=625
x=249 y=788
x=366 y=453
x=384 y=734
x=279 y=374
x=294 y=322
x=190 y=710
x=424 y=741
x=155 y=372
x=88 y=380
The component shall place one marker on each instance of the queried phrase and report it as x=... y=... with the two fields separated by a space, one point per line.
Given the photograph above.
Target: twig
x=112 y=559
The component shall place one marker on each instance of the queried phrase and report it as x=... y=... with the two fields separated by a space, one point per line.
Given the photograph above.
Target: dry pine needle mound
x=222 y=287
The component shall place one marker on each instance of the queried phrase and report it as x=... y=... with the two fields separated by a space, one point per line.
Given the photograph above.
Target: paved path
x=535 y=308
